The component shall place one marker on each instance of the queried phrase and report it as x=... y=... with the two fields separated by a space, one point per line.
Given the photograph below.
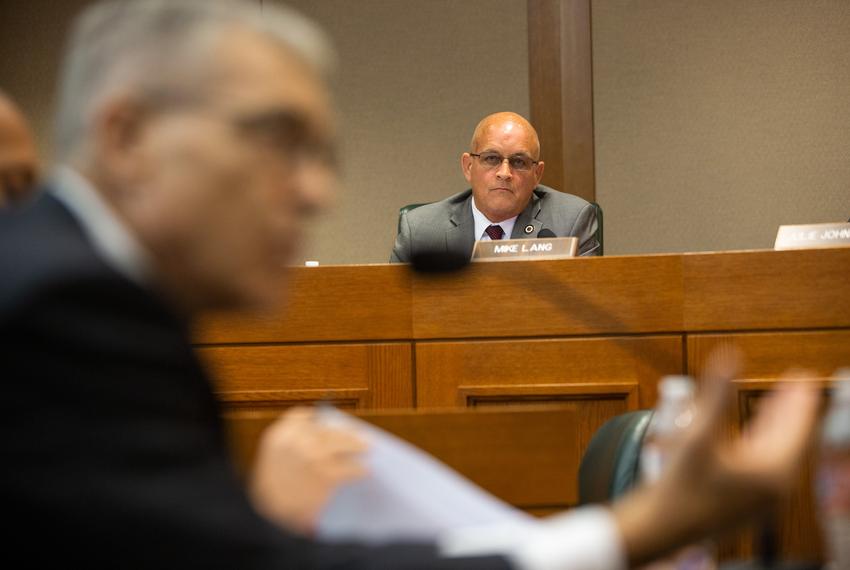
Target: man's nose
x=504 y=170
x=316 y=184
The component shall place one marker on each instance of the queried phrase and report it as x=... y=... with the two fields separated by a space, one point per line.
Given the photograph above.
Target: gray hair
x=154 y=46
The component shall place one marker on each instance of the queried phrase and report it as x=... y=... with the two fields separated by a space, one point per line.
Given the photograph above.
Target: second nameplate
x=517 y=249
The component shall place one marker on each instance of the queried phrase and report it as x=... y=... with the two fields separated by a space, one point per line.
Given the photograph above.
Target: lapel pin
x=529 y=228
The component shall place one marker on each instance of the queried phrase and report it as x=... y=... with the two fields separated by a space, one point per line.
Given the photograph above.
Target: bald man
x=18 y=157
x=506 y=199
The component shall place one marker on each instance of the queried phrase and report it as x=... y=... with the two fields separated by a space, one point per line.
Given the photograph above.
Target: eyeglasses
x=287 y=135
x=517 y=162
x=283 y=135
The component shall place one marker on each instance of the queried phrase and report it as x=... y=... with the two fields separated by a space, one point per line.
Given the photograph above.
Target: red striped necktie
x=495 y=232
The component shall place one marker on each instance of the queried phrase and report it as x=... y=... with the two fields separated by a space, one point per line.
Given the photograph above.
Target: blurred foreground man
x=195 y=140
x=18 y=156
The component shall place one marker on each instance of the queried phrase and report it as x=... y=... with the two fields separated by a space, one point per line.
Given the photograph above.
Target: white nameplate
x=513 y=249
x=813 y=235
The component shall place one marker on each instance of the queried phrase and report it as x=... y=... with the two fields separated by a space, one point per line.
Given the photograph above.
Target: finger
x=721 y=367
x=299 y=413
x=337 y=444
x=785 y=421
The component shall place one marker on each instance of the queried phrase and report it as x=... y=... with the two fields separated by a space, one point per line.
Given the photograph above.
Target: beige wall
x=32 y=34
x=717 y=121
x=415 y=77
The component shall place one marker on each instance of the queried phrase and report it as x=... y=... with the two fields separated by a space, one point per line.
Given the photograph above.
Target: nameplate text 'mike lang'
x=813 y=235
x=516 y=249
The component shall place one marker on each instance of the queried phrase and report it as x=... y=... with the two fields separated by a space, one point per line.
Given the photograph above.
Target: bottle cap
x=676 y=386
x=841 y=385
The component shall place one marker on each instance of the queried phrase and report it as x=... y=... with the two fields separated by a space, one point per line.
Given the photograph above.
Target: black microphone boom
x=546 y=233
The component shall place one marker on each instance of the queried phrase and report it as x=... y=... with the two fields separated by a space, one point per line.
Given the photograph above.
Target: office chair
x=609 y=466
x=407 y=208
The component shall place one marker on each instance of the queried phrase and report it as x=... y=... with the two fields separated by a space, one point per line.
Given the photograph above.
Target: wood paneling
x=490 y=447
x=598 y=378
x=621 y=368
x=353 y=302
x=590 y=337
x=560 y=68
x=545 y=298
x=271 y=378
x=768 y=355
x=766 y=289
x=795 y=521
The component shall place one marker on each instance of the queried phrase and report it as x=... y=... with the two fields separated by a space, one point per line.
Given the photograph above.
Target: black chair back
x=610 y=465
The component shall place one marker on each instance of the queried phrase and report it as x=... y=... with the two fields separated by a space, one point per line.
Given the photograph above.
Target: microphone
x=546 y=233
x=438 y=261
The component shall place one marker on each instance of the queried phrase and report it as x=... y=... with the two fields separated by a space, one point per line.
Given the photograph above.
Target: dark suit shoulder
x=41 y=246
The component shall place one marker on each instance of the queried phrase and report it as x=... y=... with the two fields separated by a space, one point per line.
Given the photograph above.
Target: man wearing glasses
x=506 y=199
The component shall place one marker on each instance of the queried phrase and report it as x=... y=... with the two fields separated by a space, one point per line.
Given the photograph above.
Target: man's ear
x=118 y=130
x=538 y=172
x=466 y=166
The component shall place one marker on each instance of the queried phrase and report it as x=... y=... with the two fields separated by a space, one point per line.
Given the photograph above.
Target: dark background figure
x=18 y=154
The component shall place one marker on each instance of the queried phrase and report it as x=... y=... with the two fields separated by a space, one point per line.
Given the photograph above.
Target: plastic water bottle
x=833 y=477
x=674 y=413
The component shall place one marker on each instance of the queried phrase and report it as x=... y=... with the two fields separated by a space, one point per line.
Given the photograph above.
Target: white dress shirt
x=110 y=237
x=586 y=538
x=482 y=223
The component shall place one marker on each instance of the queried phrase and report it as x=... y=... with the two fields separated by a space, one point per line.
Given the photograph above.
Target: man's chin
x=262 y=296
x=268 y=298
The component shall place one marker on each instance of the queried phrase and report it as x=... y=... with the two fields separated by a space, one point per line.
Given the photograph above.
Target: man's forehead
x=510 y=133
x=254 y=73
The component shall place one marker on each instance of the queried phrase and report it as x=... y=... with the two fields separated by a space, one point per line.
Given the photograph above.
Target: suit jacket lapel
x=461 y=237
x=528 y=217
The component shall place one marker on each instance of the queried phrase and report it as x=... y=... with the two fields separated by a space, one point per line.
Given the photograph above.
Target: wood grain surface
x=754 y=290
x=580 y=340
x=525 y=456
x=351 y=302
x=544 y=298
x=274 y=377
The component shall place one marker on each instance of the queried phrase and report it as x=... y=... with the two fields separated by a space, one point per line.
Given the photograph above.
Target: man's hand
x=300 y=463
x=712 y=485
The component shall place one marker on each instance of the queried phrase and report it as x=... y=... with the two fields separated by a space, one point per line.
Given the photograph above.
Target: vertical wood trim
x=561 y=92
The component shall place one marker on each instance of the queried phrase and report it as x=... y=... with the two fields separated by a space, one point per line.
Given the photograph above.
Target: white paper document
x=408 y=495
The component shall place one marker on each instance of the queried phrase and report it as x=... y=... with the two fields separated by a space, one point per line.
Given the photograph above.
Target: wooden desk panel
x=549 y=298
x=598 y=378
x=590 y=336
x=356 y=302
x=490 y=447
x=766 y=357
x=467 y=372
x=273 y=378
x=797 y=524
x=753 y=290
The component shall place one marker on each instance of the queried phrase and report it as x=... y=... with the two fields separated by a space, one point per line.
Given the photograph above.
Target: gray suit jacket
x=448 y=226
